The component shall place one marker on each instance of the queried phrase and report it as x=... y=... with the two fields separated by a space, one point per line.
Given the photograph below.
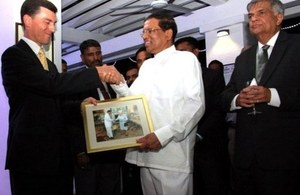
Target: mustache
x=96 y=63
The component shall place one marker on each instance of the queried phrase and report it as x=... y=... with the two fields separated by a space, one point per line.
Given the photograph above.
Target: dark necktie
x=103 y=91
x=262 y=59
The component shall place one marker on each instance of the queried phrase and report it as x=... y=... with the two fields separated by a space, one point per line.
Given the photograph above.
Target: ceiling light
x=159 y=4
x=222 y=33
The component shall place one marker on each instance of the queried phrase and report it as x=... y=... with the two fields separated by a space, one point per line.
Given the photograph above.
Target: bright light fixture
x=223 y=32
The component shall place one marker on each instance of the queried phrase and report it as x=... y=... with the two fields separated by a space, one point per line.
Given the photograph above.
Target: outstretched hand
x=110 y=74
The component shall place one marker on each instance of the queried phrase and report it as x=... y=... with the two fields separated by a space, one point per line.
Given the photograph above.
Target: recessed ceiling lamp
x=223 y=32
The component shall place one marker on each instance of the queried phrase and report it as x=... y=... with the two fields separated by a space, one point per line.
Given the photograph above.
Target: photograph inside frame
x=117 y=123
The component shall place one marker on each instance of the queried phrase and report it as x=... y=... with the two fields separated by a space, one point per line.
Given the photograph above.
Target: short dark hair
x=88 y=43
x=166 y=22
x=219 y=63
x=131 y=67
x=32 y=7
x=190 y=40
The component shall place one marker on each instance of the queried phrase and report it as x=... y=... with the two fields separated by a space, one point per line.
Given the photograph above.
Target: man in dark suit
x=267 y=151
x=211 y=160
x=95 y=173
x=38 y=156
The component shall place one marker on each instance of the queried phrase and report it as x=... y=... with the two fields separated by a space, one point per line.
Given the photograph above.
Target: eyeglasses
x=149 y=31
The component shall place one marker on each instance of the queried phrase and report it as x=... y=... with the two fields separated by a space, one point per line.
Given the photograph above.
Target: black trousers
x=98 y=179
x=258 y=181
x=211 y=169
x=131 y=179
x=37 y=184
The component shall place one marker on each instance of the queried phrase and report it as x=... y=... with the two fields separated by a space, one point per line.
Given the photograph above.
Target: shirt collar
x=165 y=52
x=271 y=42
x=33 y=45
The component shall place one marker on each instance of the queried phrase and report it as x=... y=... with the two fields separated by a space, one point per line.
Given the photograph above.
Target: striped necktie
x=262 y=60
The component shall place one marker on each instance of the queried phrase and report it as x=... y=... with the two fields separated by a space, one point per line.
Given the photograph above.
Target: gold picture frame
x=125 y=134
x=49 y=49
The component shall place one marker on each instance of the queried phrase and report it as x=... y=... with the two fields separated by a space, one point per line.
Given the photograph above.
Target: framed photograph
x=115 y=124
x=49 y=49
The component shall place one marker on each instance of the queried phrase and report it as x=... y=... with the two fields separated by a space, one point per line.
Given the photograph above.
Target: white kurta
x=122 y=118
x=172 y=84
x=108 y=125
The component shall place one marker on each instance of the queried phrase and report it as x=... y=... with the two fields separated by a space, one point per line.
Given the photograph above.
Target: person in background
x=211 y=160
x=64 y=65
x=216 y=65
x=131 y=74
x=95 y=173
x=267 y=143
x=230 y=116
x=141 y=55
x=38 y=154
x=177 y=104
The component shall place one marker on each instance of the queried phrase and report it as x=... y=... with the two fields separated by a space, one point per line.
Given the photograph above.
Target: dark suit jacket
x=273 y=137
x=36 y=138
x=212 y=126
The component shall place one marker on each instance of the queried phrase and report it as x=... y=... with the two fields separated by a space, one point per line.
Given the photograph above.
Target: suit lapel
x=250 y=61
x=25 y=47
x=274 y=60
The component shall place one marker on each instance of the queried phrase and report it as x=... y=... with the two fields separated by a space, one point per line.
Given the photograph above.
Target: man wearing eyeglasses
x=176 y=101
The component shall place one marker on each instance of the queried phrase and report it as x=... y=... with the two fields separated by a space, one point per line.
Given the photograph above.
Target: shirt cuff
x=275 y=99
x=163 y=135
x=233 y=105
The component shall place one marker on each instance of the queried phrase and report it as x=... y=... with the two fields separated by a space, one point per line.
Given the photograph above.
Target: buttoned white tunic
x=172 y=84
